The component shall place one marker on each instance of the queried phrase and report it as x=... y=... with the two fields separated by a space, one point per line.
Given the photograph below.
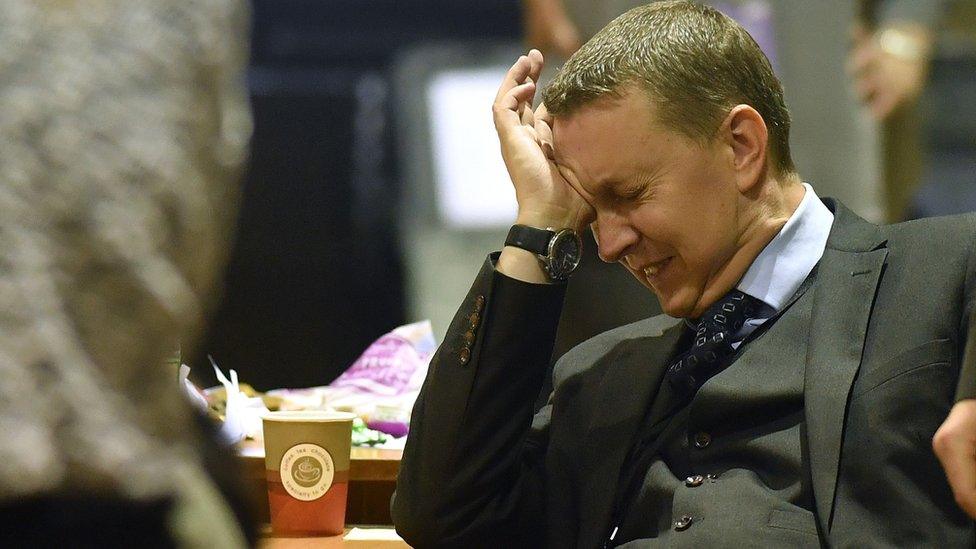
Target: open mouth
x=655 y=269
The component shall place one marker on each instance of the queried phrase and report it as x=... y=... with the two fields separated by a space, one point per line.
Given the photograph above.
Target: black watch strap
x=529 y=238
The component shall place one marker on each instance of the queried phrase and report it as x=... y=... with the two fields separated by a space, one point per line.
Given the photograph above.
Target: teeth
x=655 y=268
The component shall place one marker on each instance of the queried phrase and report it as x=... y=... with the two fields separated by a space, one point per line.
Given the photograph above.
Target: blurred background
x=375 y=188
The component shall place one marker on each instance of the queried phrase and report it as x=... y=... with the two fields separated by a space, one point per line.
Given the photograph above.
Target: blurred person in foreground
x=123 y=126
x=789 y=396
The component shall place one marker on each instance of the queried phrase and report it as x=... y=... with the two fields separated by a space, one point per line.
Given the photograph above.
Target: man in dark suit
x=789 y=396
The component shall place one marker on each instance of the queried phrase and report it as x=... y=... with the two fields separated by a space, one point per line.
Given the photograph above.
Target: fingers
x=525 y=67
x=859 y=34
x=861 y=60
x=543 y=131
x=514 y=77
x=863 y=66
x=517 y=97
x=507 y=108
x=542 y=113
x=527 y=116
x=955 y=446
x=882 y=105
x=537 y=62
x=865 y=89
x=513 y=102
x=862 y=49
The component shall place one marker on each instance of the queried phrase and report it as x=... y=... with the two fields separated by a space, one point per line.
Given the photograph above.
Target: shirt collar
x=789 y=257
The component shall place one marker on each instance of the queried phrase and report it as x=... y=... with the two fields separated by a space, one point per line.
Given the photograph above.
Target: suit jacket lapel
x=847 y=280
x=630 y=382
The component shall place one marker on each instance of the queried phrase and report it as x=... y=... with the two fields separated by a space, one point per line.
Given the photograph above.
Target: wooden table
x=372 y=479
x=269 y=541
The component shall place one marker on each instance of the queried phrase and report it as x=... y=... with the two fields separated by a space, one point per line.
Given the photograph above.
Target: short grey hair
x=694 y=63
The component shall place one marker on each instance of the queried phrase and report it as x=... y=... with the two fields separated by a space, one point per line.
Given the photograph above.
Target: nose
x=615 y=237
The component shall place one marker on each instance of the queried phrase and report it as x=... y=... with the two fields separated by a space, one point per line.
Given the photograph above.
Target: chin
x=671 y=304
x=679 y=312
x=674 y=306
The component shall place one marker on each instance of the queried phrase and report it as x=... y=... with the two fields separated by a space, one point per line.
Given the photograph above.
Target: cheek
x=713 y=246
x=706 y=244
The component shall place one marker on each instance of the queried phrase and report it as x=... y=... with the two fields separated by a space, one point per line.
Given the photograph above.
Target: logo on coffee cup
x=307 y=471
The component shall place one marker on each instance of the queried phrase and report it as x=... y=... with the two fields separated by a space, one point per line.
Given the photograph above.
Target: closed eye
x=632 y=193
x=639 y=188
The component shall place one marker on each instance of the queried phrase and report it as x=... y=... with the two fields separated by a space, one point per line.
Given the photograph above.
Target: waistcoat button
x=682 y=523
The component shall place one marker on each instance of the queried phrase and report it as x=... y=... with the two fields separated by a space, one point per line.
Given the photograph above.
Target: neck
x=763 y=212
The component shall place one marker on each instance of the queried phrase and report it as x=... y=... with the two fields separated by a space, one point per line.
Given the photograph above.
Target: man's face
x=666 y=207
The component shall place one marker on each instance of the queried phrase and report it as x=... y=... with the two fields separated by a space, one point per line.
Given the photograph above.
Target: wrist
x=521 y=265
x=557 y=251
x=549 y=220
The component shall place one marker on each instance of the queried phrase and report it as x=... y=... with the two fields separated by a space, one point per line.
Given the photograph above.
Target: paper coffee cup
x=307 y=465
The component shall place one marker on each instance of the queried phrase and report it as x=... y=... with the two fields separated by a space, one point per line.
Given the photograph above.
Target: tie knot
x=713 y=340
x=726 y=316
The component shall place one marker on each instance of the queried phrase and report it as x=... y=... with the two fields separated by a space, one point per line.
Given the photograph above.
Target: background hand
x=548 y=27
x=889 y=67
x=955 y=446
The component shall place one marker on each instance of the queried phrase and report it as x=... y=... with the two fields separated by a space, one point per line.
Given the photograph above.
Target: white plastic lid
x=316 y=416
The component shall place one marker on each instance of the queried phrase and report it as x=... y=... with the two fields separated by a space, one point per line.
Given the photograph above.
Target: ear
x=746 y=135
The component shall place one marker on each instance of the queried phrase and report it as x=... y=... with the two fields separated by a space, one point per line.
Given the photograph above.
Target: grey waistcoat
x=744 y=427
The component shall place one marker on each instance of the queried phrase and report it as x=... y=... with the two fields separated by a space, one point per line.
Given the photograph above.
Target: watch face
x=564 y=254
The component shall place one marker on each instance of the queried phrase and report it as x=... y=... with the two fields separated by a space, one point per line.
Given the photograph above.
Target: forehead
x=609 y=136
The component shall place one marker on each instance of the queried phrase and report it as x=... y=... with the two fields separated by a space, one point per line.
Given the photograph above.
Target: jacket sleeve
x=472 y=472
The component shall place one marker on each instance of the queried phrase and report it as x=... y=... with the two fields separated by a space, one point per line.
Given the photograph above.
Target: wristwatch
x=559 y=250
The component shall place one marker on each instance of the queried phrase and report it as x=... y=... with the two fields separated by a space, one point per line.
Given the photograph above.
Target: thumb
x=955 y=446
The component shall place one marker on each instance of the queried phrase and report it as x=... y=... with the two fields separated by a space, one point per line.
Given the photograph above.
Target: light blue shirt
x=783 y=265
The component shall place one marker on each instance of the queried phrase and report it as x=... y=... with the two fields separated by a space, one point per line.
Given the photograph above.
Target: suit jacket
x=889 y=318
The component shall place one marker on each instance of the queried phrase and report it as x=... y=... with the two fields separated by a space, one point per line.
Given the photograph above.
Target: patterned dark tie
x=712 y=347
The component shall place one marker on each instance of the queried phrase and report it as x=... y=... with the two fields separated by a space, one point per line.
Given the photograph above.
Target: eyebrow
x=605 y=189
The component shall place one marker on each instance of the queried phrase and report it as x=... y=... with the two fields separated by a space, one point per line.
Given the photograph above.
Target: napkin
x=193 y=394
x=242 y=417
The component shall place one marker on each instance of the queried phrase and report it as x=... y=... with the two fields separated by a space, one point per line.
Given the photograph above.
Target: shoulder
x=584 y=356
x=949 y=229
x=948 y=239
x=850 y=232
